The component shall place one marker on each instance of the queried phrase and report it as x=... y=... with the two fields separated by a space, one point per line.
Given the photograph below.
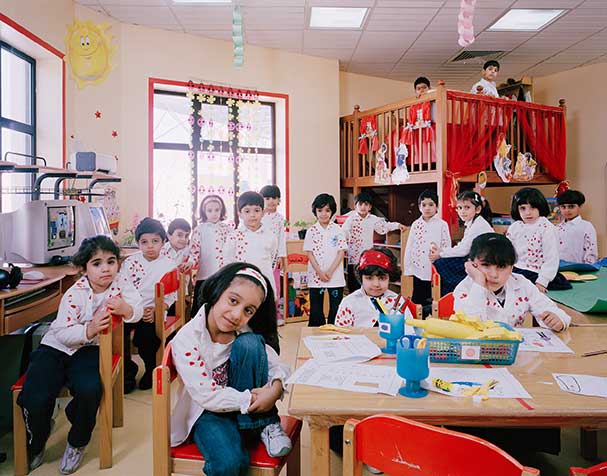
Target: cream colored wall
x=369 y=91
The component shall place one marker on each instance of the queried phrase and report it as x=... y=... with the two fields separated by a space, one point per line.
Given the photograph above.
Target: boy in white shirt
x=252 y=242
x=144 y=269
x=577 y=237
x=427 y=229
x=487 y=82
x=359 y=228
x=177 y=247
x=325 y=245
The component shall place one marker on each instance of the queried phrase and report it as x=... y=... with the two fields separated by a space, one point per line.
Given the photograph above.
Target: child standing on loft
x=490 y=71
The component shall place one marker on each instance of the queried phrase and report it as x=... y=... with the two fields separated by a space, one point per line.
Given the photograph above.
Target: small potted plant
x=303 y=227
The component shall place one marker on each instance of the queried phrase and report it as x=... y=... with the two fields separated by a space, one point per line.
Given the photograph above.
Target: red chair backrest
x=411 y=306
x=435 y=277
x=170 y=281
x=596 y=470
x=445 y=306
x=396 y=445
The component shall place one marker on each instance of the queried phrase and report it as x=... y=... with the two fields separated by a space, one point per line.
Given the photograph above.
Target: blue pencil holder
x=412 y=365
x=391 y=328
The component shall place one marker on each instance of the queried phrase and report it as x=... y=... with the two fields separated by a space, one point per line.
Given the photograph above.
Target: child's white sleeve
x=539 y=303
x=307 y=244
x=229 y=251
x=67 y=328
x=408 y=260
x=550 y=248
x=383 y=226
x=471 y=298
x=132 y=297
x=591 y=251
x=445 y=239
x=198 y=379
x=194 y=258
x=346 y=227
x=277 y=370
x=344 y=316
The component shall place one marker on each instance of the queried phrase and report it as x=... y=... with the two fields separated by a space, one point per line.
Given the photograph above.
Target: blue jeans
x=220 y=437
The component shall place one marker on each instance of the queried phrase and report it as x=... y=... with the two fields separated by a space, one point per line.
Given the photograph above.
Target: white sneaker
x=275 y=440
x=280 y=322
x=373 y=470
x=71 y=459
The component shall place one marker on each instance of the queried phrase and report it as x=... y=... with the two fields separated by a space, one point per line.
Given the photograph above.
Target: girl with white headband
x=227 y=358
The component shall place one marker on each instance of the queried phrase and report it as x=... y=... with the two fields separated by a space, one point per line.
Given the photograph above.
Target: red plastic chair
x=396 y=445
x=443 y=308
x=173 y=281
x=185 y=459
x=596 y=470
x=415 y=309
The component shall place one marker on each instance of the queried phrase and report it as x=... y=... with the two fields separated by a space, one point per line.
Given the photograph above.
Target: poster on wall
x=89 y=52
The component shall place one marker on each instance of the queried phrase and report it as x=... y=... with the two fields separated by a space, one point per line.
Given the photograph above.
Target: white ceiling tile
x=486 y=3
x=579 y=19
x=203 y=17
x=330 y=39
x=342 y=54
x=137 y=3
x=598 y=59
x=272 y=3
x=141 y=15
x=374 y=55
x=400 y=19
x=372 y=68
x=545 y=69
x=341 y=3
x=499 y=40
x=275 y=39
x=389 y=39
x=446 y=19
x=568 y=57
x=547 y=3
x=277 y=18
x=410 y=3
x=592 y=4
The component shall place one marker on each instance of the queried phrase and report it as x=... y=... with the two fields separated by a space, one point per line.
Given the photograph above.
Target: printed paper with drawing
x=582 y=384
x=538 y=339
x=332 y=348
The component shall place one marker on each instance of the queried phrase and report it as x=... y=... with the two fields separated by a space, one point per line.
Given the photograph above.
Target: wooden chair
x=443 y=307
x=396 y=445
x=173 y=281
x=185 y=459
x=415 y=309
x=596 y=470
x=435 y=282
x=110 y=408
x=297 y=262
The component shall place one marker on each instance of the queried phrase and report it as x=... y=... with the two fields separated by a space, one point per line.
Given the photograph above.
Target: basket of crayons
x=466 y=340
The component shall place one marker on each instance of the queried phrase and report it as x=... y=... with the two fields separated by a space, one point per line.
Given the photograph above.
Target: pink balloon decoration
x=465 y=23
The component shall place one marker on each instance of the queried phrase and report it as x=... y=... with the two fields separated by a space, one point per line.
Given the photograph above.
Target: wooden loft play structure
x=450 y=137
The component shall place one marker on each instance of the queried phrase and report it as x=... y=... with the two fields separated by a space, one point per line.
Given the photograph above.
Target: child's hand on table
x=99 y=323
x=552 y=320
x=476 y=274
x=263 y=399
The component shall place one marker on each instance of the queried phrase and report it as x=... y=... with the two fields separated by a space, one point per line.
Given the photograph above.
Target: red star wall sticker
x=114 y=133
x=97 y=114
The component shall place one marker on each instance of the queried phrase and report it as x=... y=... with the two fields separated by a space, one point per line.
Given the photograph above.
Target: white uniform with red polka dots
x=477 y=226
x=357 y=310
x=276 y=222
x=536 y=246
x=417 y=252
x=521 y=297
x=202 y=366
x=78 y=306
x=325 y=244
x=207 y=248
x=144 y=275
x=577 y=241
x=359 y=233
x=257 y=247
x=177 y=256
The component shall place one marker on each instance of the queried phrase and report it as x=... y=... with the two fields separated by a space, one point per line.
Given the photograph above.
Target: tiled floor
x=133 y=442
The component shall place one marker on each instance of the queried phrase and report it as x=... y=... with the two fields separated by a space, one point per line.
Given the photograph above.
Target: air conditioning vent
x=476 y=56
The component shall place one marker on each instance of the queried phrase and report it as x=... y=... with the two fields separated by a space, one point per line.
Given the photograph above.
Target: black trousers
x=317 y=314
x=353 y=283
x=48 y=372
x=197 y=302
x=422 y=291
x=147 y=344
x=559 y=282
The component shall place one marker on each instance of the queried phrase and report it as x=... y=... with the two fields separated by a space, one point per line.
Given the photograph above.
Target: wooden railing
x=428 y=157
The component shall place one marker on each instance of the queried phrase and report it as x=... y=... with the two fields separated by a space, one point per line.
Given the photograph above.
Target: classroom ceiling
x=399 y=39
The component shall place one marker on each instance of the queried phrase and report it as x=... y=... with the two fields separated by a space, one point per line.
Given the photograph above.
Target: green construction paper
x=585 y=296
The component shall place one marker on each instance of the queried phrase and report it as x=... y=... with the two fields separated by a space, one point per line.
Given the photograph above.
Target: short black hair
x=374 y=270
x=491 y=63
x=421 y=80
x=364 y=197
x=323 y=200
x=179 y=224
x=89 y=247
x=150 y=225
x=531 y=196
x=250 y=198
x=209 y=199
x=263 y=321
x=493 y=248
x=571 y=197
x=478 y=201
x=431 y=194
x=270 y=191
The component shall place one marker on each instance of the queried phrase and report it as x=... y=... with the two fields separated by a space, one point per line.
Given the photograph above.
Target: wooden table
x=549 y=407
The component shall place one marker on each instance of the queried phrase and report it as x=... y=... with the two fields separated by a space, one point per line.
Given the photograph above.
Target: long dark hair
x=263 y=321
x=477 y=200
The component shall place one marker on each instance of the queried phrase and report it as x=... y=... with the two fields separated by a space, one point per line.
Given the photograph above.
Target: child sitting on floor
x=535 y=240
x=227 y=358
x=475 y=212
x=577 y=237
x=377 y=267
x=428 y=228
x=69 y=352
x=492 y=291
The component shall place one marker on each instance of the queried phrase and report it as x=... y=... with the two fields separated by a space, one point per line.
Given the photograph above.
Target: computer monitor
x=96 y=223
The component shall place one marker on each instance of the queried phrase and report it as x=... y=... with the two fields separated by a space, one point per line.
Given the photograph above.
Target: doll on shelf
x=524 y=169
x=400 y=174
x=382 y=173
x=501 y=161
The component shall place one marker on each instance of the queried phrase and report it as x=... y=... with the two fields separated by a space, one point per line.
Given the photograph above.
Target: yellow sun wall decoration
x=89 y=52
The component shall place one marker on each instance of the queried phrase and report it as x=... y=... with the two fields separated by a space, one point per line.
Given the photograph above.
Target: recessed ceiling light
x=337 y=17
x=520 y=19
x=202 y=1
